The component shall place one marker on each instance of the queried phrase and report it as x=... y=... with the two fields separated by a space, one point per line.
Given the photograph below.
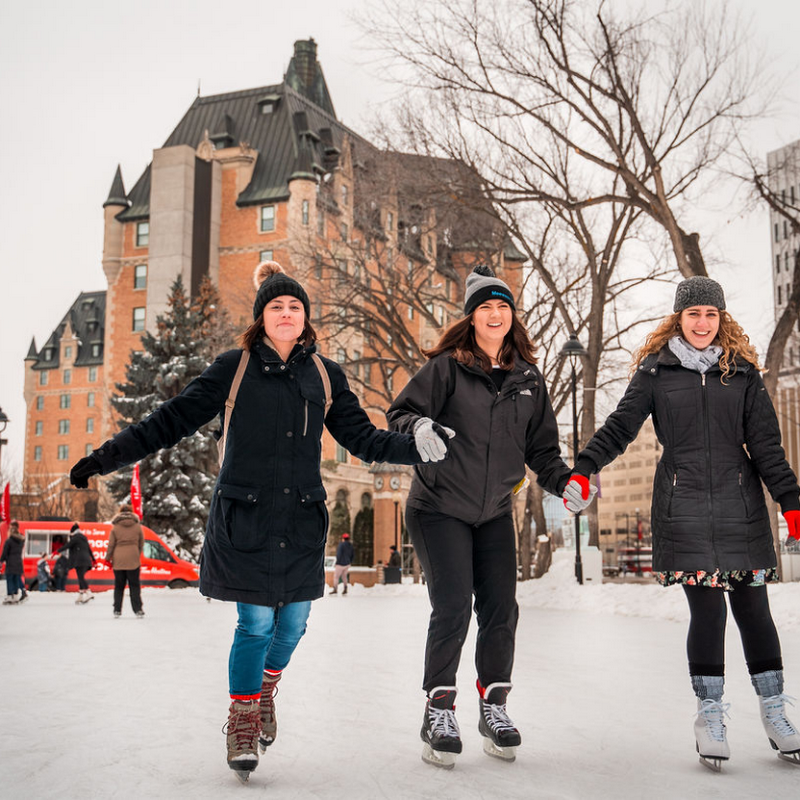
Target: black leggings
x=83 y=584
x=705 y=644
x=462 y=561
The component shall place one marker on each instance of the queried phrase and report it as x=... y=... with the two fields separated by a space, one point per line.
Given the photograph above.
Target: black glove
x=79 y=475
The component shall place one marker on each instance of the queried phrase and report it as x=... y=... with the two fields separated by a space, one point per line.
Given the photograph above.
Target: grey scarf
x=690 y=357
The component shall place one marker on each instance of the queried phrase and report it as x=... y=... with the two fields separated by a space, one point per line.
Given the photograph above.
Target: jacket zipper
x=305 y=418
x=707 y=442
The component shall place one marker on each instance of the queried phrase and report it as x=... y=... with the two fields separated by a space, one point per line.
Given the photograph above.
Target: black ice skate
x=501 y=738
x=242 y=732
x=440 y=731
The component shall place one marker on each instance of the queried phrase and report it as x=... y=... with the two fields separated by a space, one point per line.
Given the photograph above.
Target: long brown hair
x=256 y=332
x=730 y=337
x=460 y=338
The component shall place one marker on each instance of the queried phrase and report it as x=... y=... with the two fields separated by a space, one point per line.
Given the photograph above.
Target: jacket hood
x=126 y=519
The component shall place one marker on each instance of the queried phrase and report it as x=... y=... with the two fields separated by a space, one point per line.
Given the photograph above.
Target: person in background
x=698 y=376
x=125 y=546
x=60 y=570
x=81 y=559
x=264 y=547
x=43 y=573
x=480 y=381
x=394 y=558
x=344 y=558
x=12 y=558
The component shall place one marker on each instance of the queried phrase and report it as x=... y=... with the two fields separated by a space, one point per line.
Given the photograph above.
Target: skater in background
x=265 y=539
x=60 y=570
x=344 y=558
x=482 y=382
x=698 y=376
x=125 y=546
x=43 y=573
x=81 y=559
x=11 y=557
x=394 y=558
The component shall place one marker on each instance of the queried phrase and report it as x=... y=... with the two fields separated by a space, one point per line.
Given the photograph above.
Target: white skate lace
x=443 y=721
x=497 y=718
x=774 y=711
x=714 y=714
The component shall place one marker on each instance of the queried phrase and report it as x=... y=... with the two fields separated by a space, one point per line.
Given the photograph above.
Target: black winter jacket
x=80 y=553
x=12 y=554
x=265 y=538
x=497 y=434
x=720 y=441
x=344 y=553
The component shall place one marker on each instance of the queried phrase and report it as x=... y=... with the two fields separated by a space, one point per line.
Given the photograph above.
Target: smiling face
x=492 y=321
x=284 y=320
x=700 y=325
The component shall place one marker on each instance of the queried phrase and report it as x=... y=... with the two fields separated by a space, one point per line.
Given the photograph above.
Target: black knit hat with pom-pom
x=271 y=281
x=483 y=285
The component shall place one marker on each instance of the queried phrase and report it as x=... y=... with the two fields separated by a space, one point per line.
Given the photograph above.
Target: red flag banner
x=5 y=504
x=136 y=492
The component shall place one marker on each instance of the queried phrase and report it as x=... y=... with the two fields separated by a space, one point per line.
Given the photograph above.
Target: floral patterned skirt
x=728 y=580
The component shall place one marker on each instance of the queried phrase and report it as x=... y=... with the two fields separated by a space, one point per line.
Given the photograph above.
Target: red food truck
x=160 y=566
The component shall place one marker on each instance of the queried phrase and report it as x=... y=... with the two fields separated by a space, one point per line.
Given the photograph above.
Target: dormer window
x=268 y=103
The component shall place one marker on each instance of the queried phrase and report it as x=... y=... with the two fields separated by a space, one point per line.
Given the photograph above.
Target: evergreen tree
x=176 y=483
x=363 y=538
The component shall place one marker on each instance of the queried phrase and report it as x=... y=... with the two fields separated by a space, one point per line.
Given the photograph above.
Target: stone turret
x=112 y=236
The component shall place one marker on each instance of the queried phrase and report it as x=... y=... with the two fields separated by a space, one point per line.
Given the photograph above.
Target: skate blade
x=495 y=751
x=438 y=758
x=263 y=744
x=242 y=775
x=791 y=758
x=712 y=762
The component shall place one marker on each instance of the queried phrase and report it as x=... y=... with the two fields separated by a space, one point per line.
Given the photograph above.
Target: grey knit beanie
x=483 y=285
x=698 y=291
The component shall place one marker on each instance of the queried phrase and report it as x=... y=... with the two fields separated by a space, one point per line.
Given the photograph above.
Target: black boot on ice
x=501 y=738
x=440 y=733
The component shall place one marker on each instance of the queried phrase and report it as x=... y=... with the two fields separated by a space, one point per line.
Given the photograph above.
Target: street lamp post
x=574 y=351
x=3 y=423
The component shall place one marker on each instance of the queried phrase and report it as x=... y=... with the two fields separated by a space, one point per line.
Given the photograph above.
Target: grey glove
x=431 y=439
x=578 y=494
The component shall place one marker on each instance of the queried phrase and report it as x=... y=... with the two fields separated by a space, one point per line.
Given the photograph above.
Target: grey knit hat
x=699 y=291
x=483 y=285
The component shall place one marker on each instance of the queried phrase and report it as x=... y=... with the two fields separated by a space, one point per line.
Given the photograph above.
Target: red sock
x=246 y=698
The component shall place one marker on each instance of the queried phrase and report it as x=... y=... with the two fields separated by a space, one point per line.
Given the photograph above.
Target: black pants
x=705 y=643
x=83 y=584
x=131 y=577
x=461 y=560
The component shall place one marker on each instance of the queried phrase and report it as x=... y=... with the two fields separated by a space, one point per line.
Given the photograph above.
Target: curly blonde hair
x=730 y=337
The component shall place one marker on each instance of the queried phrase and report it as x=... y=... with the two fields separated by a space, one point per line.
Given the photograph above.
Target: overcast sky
x=85 y=86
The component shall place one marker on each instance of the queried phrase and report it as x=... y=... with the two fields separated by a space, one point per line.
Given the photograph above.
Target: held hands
x=793 y=521
x=579 y=493
x=431 y=439
x=79 y=475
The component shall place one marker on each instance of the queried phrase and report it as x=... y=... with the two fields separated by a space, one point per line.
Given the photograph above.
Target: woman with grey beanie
x=698 y=376
x=481 y=380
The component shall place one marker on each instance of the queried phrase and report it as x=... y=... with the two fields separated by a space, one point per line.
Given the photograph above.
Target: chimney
x=305 y=61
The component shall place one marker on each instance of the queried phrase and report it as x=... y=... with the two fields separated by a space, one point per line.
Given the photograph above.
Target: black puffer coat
x=720 y=440
x=497 y=434
x=80 y=552
x=265 y=539
x=12 y=554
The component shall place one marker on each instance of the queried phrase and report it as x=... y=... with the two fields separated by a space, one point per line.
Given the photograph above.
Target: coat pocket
x=241 y=517
x=311 y=520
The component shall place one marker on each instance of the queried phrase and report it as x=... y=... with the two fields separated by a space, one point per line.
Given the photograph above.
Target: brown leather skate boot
x=269 y=722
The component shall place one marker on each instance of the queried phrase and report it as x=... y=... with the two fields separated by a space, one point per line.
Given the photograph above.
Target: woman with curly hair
x=699 y=377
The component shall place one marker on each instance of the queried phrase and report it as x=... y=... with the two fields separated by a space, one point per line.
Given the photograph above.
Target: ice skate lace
x=497 y=718
x=714 y=714
x=268 y=693
x=774 y=711
x=443 y=722
x=243 y=726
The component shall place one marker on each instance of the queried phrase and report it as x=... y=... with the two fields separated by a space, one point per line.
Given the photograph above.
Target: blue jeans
x=265 y=638
x=13 y=584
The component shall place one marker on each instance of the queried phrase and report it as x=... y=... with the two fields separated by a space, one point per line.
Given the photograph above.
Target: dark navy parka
x=720 y=440
x=265 y=538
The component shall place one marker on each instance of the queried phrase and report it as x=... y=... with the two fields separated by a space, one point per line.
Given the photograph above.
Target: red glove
x=793 y=521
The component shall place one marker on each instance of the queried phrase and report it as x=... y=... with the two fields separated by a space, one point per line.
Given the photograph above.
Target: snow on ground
x=106 y=708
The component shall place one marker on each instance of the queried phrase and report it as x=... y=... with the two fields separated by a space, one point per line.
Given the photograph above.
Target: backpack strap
x=231 y=402
x=326 y=382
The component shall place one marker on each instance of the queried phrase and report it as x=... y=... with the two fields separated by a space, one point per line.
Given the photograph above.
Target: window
x=42 y=379
x=785 y=261
x=65 y=401
x=90 y=400
x=367 y=374
x=341 y=454
x=318 y=267
x=67 y=376
x=318 y=309
x=63 y=426
x=357 y=271
x=96 y=350
x=142 y=234
x=63 y=452
x=40 y=403
x=265 y=255
x=345 y=194
x=39 y=428
x=37 y=453
x=389 y=221
x=390 y=383
x=267 y=219
x=777 y=263
x=410 y=268
x=411 y=312
x=140 y=276
x=777 y=232
x=441 y=315
x=68 y=352
x=90 y=425
x=157 y=551
x=138 y=318
x=88 y=450
x=356 y=364
x=305 y=212
x=320 y=222
x=343 y=231
x=341 y=356
x=785 y=229
x=430 y=245
x=779 y=296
